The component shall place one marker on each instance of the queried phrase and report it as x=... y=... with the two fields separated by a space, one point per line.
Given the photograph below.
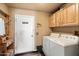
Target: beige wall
x=40 y=17
x=4 y=8
x=68 y=29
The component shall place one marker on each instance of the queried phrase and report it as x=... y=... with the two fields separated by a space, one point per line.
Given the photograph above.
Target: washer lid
x=64 y=42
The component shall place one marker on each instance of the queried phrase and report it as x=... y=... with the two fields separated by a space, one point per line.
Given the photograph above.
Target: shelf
x=9 y=52
x=8 y=22
x=8 y=42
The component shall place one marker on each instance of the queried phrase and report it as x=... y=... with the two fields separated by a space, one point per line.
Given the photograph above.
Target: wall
x=67 y=29
x=4 y=8
x=40 y=17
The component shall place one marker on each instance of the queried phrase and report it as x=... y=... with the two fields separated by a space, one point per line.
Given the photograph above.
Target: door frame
x=34 y=32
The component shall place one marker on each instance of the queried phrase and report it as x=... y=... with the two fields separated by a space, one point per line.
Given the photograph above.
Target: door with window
x=24 y=33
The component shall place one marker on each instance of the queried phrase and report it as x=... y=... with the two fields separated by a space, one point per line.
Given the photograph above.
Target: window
x=2 y=27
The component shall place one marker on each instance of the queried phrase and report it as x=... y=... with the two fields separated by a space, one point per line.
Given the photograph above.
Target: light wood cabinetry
x=71 y=15
x=52 y=20
x=57 y=23
x=67 y=16
x=63 y=17
x=77 y=14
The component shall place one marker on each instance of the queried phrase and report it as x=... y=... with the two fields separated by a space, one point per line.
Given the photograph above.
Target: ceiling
x=46 y=7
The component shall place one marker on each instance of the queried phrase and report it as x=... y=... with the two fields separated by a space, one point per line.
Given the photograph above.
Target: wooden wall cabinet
x=63 y=17
x=52 y=20
x=71 y=15
x=67 y=16
x=57 y=23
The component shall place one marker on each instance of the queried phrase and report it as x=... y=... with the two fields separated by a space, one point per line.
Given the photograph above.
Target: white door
x=24 y=34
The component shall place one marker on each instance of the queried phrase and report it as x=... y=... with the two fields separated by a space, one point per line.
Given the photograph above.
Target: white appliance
x=65 y=45
x=24 y=34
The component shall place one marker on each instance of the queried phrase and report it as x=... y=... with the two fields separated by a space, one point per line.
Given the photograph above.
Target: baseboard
x=25 y=53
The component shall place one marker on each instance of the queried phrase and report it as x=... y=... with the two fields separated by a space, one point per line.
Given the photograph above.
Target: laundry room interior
x=39 y=29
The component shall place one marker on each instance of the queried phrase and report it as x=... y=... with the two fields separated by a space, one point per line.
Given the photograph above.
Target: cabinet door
x=64 y=17
x=61 y=17
x=77 y=13
x=58 y=18
x=52 y=21
x=71 y=15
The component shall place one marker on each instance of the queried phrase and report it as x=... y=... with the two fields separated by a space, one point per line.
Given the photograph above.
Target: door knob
x=31 y=35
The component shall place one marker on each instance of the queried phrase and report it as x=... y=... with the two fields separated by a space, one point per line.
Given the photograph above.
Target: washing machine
x=47 y=44
x=65 y=45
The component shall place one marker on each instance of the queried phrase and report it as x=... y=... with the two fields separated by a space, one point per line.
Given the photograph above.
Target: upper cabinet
x=63 y=16
x=67 y=16
x=58 y=18
x=55 y=19
x=52 y=21
x=71 y=15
